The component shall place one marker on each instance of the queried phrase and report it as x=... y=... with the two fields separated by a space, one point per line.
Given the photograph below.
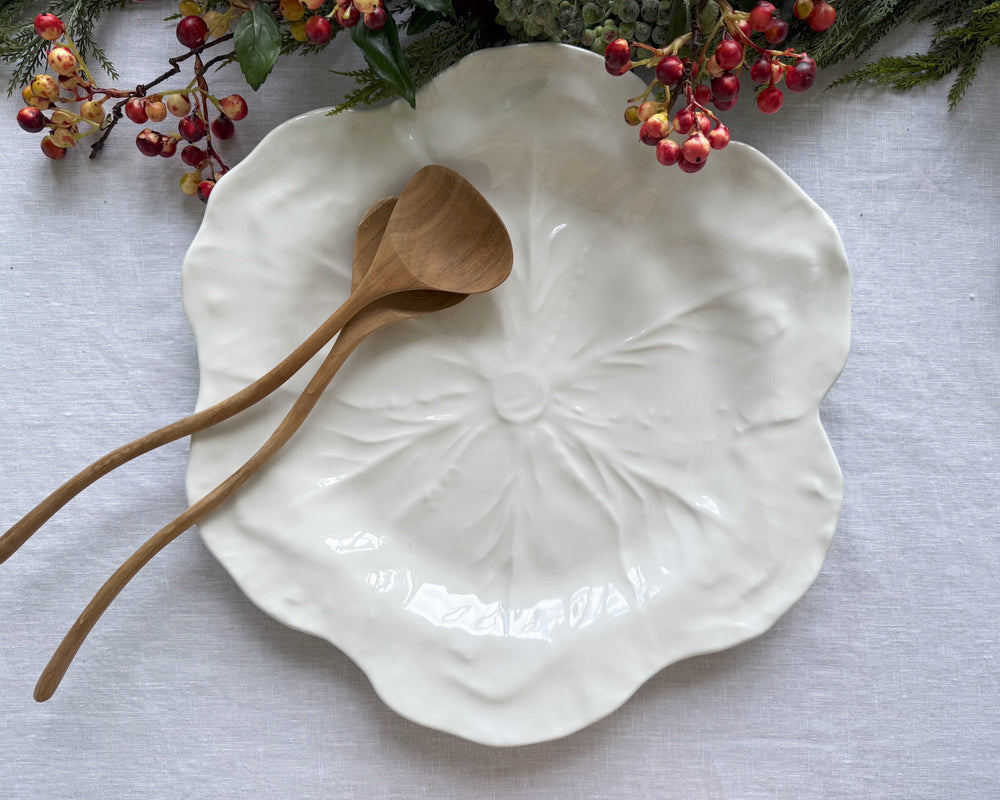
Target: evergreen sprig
x=964 y=31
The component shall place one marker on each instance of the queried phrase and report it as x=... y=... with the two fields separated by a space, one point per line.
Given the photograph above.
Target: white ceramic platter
x=512 y=513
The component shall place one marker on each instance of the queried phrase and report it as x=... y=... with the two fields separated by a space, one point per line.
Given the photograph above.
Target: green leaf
x=443 y=7
x=421 y=19
x=257 y=44
x=385 y=56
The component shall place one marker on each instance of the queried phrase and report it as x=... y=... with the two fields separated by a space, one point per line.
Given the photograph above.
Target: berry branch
x=684 y=69
x=142 y=89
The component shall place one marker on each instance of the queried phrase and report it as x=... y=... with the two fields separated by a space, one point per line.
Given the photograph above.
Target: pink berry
x=319 y=30
x=647 y=109
x=192 y=31
x=205 y=189
x=690 y=166
x=654 y=129
x=822 y=17
x=178 y=104
x=760 y=16
x=729 y=54
x=761 y=70
x=667 y=152
x=802 y=9
x=191 y=128
x=719 y=137
x=234 y=107
x=223 y=128
x=770 y=100
x=617 y=55
x=135 y=110
x=684 y=121
x=702 y=94
x=669 y=70
x=31 y=119
x=776 y=32
x=802 y=75
x=376 y=19
x=51 y=149
x=149 y=142
x=704 y=123
x=696 y=148
x=193 y=156
x=49 y=26
x=726 y=87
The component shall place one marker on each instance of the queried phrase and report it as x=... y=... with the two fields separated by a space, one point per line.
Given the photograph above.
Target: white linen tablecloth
x=881 y=683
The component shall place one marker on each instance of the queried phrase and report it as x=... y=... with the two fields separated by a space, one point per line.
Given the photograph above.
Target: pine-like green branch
x=955 y=48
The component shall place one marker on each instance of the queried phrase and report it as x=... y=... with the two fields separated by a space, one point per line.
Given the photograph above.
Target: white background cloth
x=882 y=682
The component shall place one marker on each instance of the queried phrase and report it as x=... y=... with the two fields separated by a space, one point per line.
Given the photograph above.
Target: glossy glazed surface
x=512 y=513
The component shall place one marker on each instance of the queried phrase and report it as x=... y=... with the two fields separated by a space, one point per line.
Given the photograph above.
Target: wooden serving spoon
x=390 y=308
x=442 y=235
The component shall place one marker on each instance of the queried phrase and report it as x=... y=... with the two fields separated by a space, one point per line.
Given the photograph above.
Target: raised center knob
x=519 y=396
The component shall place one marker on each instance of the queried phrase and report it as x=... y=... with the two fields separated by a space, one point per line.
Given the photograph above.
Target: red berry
x=191 y=128
x=729 y=54
x=654 y=129
x=760 y=16
x=719 y=137
x=669 y=70
x=725 y=105
x=168 y=146
x=690 y=166
x=617 y=55
x=193 y=156
x=802 y=9
x=667 y=152
x=31 y=119
x=319 y=30
x=776 y=31
x=135 y=110
x=702 y=94
x=802 y=75
x=375 y=20
x=696 y=148
x=192 y=31
x=49 y=26
x=51 y=149
x=761 y=70
x=647 y=109
x=704 y=123
x=222 y=127
x=234 y=107
x=205 y=189
x=770 y=100
x=684 y=121
x=149 y=142
x=726 y=87
x=822 y=17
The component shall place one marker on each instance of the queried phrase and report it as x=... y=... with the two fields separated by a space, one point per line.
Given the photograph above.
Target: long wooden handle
x=352 y=335
x=21 y=531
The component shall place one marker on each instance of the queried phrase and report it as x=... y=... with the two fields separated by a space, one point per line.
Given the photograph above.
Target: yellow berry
x=292 y=10
x=63 y=137
x=189 y=7
x=189 y=182
x=45 y=86
x=298 y=30
x=92 y=112
x=62 y=61
x=156 y=111
x=218 y=24
x=62 y=118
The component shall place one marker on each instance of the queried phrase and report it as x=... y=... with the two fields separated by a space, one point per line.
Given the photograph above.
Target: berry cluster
x=700 y=70
x=71 y=105
x=318 y=29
